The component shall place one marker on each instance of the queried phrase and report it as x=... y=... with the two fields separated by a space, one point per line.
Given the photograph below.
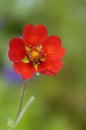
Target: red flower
x=36 y=52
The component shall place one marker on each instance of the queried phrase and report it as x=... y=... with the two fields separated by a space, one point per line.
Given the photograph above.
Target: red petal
x=34 y=35
x=17 y=50
x=50 y=67
x=53 y=40
x=24 y=69
x=52 y=47
x=27 y=32
x=54 y=53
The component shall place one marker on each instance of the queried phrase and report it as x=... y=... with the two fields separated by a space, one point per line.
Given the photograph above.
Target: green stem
x=19 y=106
x=21 y=100
x=28 y=104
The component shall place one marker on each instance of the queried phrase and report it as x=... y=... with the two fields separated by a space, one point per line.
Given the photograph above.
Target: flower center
x=35 y=55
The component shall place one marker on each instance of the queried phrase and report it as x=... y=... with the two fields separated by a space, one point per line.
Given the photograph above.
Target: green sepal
x=27 y=48
x=36 y=66
x=25 y=59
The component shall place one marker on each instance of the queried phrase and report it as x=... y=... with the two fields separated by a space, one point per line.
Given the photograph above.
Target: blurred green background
x=60 y=102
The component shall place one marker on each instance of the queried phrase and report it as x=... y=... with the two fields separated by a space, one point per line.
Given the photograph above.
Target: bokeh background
x=60 y=102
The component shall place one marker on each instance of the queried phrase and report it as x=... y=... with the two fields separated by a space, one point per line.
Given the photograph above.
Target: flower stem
x=19 y=106
x=29 y=102
x=21 y=100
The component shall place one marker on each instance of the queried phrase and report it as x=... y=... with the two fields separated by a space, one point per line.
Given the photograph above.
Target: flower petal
x=53 y=40
x=54 y=52
x=52 y=47
x=17 y=50
x=27 y=32
x=34 y=35
x=26 y=70
x=50 y=67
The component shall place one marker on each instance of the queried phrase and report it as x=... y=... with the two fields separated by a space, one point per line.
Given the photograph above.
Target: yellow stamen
x=42 y=59
x=39 y=47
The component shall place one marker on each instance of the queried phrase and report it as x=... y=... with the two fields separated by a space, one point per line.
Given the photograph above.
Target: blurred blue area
x=11 y=77
x=60 y=101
